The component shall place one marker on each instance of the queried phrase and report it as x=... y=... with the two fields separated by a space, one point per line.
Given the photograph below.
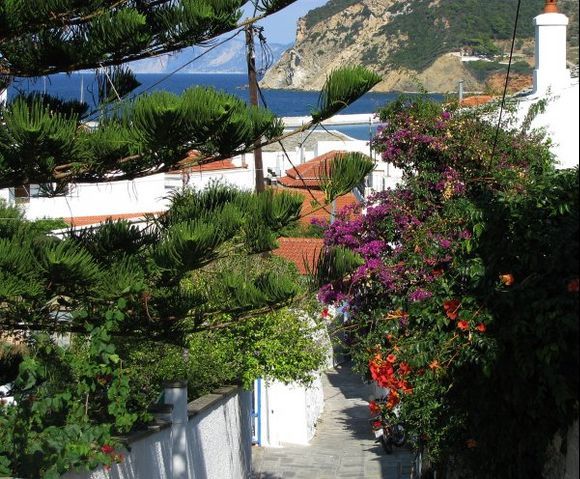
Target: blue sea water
x=281 y=102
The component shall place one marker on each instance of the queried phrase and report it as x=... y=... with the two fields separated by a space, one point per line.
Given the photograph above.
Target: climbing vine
x=465 y=305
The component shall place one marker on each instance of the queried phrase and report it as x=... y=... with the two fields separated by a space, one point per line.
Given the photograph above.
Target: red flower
x=481 y=327
x=377 y=424
x=463 y=325
x=391 y=358
x=374 y=407
x=404 y=368
x=324 y=313
x=437 y=272
x=107 y=449
x=507 y=279
x=574 y=285
x=451 y=306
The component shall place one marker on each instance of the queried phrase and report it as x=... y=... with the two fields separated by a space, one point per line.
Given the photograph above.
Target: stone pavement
x=343 y=446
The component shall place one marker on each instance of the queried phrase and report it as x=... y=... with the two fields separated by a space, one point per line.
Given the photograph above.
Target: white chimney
x=550 y=72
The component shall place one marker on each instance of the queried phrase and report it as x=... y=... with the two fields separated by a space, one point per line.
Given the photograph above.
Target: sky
x=281 y=27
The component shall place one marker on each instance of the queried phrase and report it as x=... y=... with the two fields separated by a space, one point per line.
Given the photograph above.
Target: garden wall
x=205 y=439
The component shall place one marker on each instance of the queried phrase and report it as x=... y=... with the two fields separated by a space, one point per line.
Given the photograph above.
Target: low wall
x=212 y=441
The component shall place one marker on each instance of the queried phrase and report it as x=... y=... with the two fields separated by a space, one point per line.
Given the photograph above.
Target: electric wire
x=507 y=77
x=97 y=112
x=323 y=206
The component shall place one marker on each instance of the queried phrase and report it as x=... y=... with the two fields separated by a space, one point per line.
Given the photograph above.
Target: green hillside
x=425 y=29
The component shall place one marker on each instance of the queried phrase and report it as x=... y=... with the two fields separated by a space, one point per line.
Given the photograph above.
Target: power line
x=507 y=77
x=170 y=74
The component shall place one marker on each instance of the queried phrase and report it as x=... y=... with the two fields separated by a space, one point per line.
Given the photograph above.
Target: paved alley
x=343 y=446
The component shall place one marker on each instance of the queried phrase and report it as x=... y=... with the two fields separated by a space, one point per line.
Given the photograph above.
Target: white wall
x=560 y=121
x=218 y=444
x=290 y=412
x=243 y=178
x=137 y=196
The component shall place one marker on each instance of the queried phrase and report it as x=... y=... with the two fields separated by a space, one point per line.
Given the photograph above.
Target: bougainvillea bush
x=466 y=303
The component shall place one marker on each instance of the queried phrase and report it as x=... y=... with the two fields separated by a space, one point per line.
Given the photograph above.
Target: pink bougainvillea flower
x=463 y=325
x=507 y=279
x=481 y=328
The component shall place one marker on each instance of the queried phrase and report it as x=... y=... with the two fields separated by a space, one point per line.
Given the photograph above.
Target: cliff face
x=413 y=44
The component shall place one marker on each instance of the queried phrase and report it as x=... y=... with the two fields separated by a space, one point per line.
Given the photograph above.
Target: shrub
x=466 y=305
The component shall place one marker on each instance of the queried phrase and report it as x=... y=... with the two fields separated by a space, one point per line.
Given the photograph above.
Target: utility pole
x=253 y=91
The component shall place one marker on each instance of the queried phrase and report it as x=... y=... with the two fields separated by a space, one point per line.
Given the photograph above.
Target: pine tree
x=46 y=141
x=158 y=282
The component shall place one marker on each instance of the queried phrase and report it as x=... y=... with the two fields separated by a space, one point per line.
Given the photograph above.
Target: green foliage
x=342 y=87
x=447 y=26
x=241 y=353
x=344 y=174
x=321 y=14
x=114 y=83
x=37 y=38
x=482 y=69
x=69 y=402
x=40 y=143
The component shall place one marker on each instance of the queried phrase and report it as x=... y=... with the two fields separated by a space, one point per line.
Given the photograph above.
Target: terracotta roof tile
x=476 y=100
x=96 y=219
x=309 y=173
x=301 y=251
x=311 y=211
x=213 y=166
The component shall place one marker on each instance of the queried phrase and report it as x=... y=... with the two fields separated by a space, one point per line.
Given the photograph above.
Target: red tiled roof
x=96 y=219
x=301 y=251
x=311 y=210
x=187 y=167
x=213 y=166
x=310 y=173
x=476 y=100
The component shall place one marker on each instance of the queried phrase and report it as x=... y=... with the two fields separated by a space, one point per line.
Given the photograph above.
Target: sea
x=281 y=102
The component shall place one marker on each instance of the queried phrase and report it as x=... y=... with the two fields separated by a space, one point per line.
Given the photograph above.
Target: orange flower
x=398 y=314
x=463 y=325
x=481 y=328
x=574 y=285
x=471 y=443
x=374 y=407
x=434 y=365
x=507 y=279
x=451 y=306
x=404 y=368
x=393 y=399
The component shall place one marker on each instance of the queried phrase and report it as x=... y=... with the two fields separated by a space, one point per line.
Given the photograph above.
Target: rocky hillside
x=414 y=44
